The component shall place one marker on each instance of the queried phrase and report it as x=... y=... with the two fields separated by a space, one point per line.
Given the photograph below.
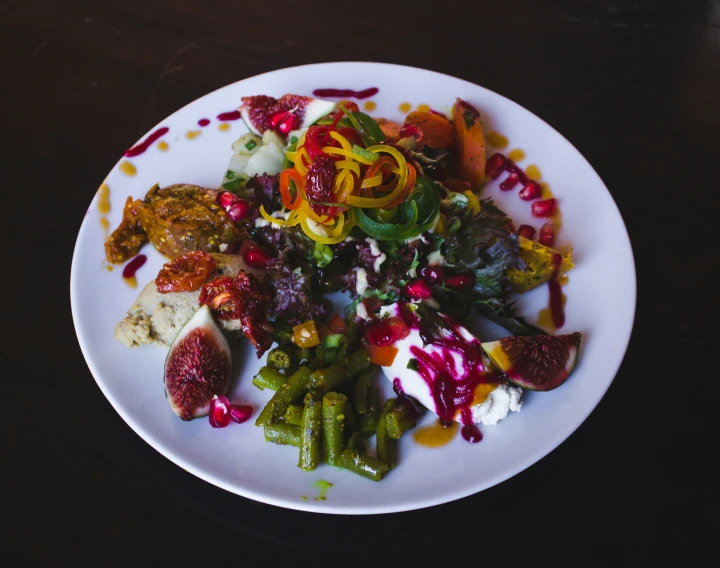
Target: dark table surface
x=635 y=86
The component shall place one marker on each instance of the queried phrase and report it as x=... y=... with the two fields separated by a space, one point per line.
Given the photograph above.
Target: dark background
x=635 y=86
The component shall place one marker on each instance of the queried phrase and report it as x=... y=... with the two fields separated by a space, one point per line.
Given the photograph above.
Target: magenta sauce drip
x=364 y=94
x=230 y=115
x=145 y=144
x=203 y=122
x=132 y=267
x=557 y=310
x=453 y=392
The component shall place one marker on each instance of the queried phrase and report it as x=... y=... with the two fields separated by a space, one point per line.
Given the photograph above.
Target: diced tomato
x=337 y=324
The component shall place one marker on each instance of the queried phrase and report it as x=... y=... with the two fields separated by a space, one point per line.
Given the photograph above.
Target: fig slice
x=289 y=112
x=197 y=367
x=535 y=362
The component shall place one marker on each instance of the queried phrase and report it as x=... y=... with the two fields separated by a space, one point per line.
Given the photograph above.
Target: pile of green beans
x=326 y=405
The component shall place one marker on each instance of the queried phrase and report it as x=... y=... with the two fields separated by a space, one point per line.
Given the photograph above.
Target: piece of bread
x=157 y=318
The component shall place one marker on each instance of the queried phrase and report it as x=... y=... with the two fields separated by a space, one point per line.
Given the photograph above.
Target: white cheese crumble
x=436 y=258
x=418 y=238
x=361 y=283
x=261 y=222
x=223 y=247
x=361 y=311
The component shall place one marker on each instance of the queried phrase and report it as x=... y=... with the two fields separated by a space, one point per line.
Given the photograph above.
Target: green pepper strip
x=416 y=215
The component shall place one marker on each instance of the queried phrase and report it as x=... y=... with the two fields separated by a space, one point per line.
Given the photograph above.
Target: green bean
x=360 y=391
x=268 y=378
x=293 y=415
x=369 y=420
x=357 y=362
x=290 y=391
x=401 y=418
x=355 y=443
x=329 y=378
x=333 y=340
x=279 y=359
x=331 y=355
x=367 y=466
x=282 y=333
x=282 y=433
x=311 y=434
x=352 y=334
x=386 y=445
x=333 y=413
x=351 y=419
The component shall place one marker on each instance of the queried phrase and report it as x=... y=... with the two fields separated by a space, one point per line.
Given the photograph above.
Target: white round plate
x=600 y=304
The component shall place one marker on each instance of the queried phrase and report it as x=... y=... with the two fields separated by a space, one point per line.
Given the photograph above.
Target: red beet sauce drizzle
x=230 y=115
x=364 y=94
x=452 y=391
x=203 y=122
x=145 y=144
x=132 y=267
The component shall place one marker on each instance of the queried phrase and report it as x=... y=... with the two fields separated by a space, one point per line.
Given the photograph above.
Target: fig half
x=535 y=362
x=197 y=367
x=289 y=112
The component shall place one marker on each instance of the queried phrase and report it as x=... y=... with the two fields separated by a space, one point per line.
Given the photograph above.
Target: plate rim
x=328 y=507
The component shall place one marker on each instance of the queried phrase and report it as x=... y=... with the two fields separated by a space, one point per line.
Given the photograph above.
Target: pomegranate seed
x=460 y=281
x=495 y=166
x=526 y=231
x=433 y=274
x=417 y=289
x=544 y=207
x=547 y=234
x=411 y=130
x=226 y=199
x=277 y=118
x=287 y=124
x=238 y=211
x=220 y=412
x=509 y=182
x=257 y=258
x=530 y=191
x=387 y=331
x=240 y=412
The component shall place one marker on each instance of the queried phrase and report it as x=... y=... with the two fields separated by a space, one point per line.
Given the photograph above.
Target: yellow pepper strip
x=347 y=154
x=327 y=240
x=309 y=213
x=343 y=141
x=291 y=156
x=440 y=227
x=348 y=185
x=372 y=182
x=302 y=162
x=396 y=192
x=348 y=165
x=292 y=219
x=473 y=202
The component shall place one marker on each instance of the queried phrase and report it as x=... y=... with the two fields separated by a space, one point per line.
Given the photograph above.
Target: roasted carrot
x=470 y=143
x=437 y=132
x=390 y=129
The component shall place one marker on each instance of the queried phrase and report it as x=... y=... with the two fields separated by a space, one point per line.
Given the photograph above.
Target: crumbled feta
x=260 y=222
x=436 y=258
x=361 y=283
x=223 y=247
x=361 y=311
x=390 y=310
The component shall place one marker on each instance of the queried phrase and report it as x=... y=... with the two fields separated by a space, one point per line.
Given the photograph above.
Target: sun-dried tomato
x=240 y=299
x=185 y=273
x=223 y=297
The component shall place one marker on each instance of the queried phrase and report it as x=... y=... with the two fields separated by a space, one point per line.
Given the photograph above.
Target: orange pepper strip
x=409 y=186
x=285 y=178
